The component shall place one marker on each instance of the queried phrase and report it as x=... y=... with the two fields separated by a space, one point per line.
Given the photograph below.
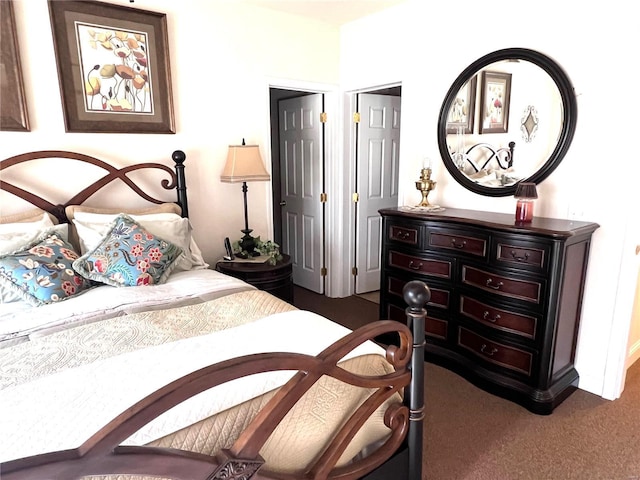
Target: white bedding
x=85 y=398
x=19 y=321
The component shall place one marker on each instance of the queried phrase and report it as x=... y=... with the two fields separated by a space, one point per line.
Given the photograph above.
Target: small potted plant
x=268 y=248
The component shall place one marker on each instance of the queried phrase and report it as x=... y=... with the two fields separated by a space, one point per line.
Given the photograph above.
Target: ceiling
x=335 y=12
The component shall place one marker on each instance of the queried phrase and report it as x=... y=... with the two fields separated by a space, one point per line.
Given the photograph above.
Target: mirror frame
x=569 y=117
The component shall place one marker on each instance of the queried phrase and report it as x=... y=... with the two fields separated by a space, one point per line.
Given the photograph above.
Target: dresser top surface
x=501 y=221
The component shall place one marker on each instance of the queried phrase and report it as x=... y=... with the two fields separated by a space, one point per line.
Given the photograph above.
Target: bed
x=487 y=164
x=124 y=356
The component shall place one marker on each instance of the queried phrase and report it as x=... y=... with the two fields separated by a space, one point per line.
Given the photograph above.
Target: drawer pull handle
x=485 y=315
x=402 y=235
x=523 y=258
x=491 y=285
x=488 y=353
x=414 y=266
x=454 y=244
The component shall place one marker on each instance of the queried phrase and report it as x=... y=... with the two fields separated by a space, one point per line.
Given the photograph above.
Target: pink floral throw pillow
x=42 y=272
x=128 y=256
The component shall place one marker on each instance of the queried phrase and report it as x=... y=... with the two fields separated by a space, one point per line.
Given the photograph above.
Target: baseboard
x=592 y=384
x=633 y=355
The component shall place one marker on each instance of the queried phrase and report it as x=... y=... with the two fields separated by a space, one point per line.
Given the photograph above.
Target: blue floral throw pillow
x=42 y=272
x=128 y=256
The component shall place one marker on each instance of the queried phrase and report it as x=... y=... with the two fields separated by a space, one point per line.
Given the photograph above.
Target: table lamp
x=244 y=164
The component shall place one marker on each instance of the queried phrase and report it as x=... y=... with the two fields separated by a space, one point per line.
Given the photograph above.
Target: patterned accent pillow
x=41 y=272
x=129 y=255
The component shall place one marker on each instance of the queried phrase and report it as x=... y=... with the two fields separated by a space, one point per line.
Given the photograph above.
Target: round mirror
x=509 y=117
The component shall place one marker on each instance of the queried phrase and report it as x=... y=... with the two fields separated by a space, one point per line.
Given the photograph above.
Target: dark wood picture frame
x=495 y=100
x=463 y=109
x=13 y=107
x=113 y=67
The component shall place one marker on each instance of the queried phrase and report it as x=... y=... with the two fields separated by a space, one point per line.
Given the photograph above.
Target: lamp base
x=248 y=243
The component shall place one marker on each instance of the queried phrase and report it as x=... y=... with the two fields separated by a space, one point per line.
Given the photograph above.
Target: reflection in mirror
x=529 y=125
x=486 y=158
x=510 y=116
x=462 y=112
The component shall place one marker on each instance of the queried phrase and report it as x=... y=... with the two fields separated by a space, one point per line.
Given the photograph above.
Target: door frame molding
x=334 y=224
x=618 y=351
x=340 y=146
x=349 y=172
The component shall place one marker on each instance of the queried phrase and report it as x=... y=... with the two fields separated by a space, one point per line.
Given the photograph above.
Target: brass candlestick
x=425 y=185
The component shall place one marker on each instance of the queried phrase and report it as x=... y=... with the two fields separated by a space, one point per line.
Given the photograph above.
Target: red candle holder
x=524 y=210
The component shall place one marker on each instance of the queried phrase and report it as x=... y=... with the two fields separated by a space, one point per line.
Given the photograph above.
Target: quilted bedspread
x=97 y=341
x=19 y=321
x=58 y=390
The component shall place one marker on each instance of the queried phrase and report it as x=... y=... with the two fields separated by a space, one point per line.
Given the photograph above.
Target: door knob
x=283 y=203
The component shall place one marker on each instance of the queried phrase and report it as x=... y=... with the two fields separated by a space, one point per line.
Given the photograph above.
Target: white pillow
x=14 y=236
x=92 y=227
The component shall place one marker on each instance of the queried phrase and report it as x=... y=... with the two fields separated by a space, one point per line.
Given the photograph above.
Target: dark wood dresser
x=505 y=298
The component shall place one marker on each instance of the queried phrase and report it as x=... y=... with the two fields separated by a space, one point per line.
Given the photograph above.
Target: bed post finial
x=512 y=146
x=416 y=294
x=179 y=157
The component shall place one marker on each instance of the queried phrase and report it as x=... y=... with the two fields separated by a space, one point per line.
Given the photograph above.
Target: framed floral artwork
x=495 y=95
x=13 y=107
x=463 y=109
x=113 y=67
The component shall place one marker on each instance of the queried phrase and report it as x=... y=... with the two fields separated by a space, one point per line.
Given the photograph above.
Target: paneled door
x=377 y=163
x=302 y=177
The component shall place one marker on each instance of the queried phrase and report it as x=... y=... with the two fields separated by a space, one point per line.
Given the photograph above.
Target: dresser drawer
x=433 y=327
x=519 y=254
x=405 y=233
x=498 y=318
x=420 y=265
x=474 y=244
x=440 y=298
x=494 y=352
x=504 y=285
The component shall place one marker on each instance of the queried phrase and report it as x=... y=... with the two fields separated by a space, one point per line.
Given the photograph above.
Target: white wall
x=427 y=48
x=223 y=56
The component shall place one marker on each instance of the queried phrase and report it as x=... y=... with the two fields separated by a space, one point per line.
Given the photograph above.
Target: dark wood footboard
x=103 y=454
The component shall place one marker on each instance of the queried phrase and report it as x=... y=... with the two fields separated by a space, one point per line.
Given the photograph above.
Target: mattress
x=59 y=389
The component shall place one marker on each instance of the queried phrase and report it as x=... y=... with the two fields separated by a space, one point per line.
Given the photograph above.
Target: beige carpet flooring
x=472 y=435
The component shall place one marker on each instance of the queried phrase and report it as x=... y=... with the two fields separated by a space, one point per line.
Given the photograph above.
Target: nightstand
x=276 y=279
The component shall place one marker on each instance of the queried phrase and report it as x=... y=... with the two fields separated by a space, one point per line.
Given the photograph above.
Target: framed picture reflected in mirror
x=495 y=97
x=463 y=109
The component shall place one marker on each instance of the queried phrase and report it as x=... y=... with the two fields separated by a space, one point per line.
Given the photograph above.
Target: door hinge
x=323 y=117
x=354 y=271
x=323 y=272
x=356 y=117
x=323 y=198
x=355 y=197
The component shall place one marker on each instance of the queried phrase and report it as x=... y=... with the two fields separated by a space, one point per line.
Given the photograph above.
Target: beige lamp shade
x=244 y=164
